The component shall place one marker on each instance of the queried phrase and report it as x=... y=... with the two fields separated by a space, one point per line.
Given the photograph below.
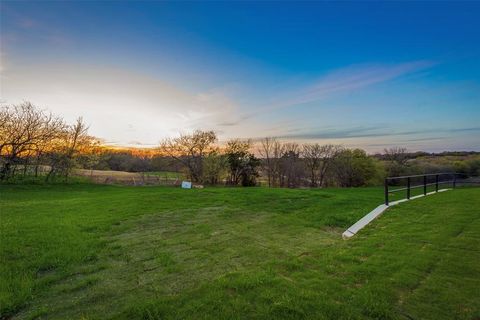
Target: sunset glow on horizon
x=368 y=75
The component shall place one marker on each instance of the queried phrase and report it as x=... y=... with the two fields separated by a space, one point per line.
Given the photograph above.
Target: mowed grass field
x=108 y=252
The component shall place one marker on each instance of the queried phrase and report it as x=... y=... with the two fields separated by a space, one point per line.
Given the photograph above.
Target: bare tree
x=397 y=158
x=266 y=151
x=73 y=142
x=396 y=154
x=318 y=159
x=330 y=152
x=291 y=170
x=78 y=141
x=278 y=149
x=312 y=154
x=5 y=127
x=25 y=130
x=189 y=149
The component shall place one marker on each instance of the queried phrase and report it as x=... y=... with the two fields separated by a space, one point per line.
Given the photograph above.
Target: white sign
x=186 y=185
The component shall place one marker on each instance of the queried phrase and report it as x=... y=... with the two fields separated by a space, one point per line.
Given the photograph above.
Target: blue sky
x=361 y=74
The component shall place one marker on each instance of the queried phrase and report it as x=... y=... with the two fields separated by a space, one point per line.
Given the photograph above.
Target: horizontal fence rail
x=419 y=181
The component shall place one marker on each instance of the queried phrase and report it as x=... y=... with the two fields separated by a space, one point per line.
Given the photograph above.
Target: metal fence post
x=426 y=182
x=386 y=191
x=408 y=188
x=424 y=185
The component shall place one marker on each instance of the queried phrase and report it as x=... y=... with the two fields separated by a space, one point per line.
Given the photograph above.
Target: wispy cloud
x=341 y=81
x=373 y=131
x=425 y=139
x=235 y=122
x=360 y=76
x=352 y=132
x=118 y=103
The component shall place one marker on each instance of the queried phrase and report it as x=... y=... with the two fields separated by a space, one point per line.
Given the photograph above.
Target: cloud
x=126 y=107
x=426 y=139
x=131 y=108
x=341 y=81
x=235 y=122
x=119 y=104
x=360 y=76
x=344 y=80
x=354 y=132
x=372 y=131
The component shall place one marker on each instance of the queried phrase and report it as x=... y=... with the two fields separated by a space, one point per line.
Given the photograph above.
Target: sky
x=371 y=75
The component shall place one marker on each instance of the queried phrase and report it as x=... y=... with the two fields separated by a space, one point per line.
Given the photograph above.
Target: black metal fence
x=409 y=183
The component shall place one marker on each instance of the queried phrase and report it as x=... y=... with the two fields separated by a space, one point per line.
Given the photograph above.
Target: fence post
x=436 y=183
x=408 y=188
x=454 y=180
x=386 y=191
x=424 y=185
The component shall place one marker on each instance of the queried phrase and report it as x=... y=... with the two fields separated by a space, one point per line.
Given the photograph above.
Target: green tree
x=242 y=165
x=354 y=168
x=214 y=168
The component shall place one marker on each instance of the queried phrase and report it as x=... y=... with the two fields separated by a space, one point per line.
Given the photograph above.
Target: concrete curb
x=360 y=224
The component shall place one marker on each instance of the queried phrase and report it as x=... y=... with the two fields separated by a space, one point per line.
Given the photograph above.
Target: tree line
x=34 y=142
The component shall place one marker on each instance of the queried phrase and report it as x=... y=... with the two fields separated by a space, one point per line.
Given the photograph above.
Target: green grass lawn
x=100 y=252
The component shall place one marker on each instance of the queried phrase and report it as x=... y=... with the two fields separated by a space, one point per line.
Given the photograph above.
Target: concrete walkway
x=360 y=224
